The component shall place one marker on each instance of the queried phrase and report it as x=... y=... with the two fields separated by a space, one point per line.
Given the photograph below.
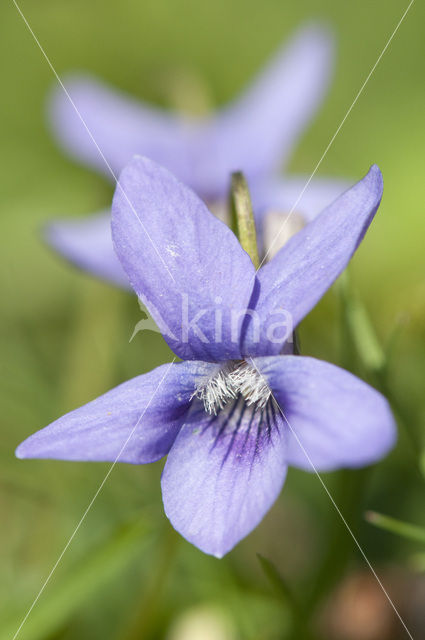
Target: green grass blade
x=400 y=528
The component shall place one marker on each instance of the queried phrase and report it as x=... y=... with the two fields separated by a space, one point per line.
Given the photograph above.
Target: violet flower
x=226 y=416
x=255 y=134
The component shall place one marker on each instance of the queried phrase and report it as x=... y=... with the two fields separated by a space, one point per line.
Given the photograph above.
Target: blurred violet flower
x=255 y=134
x=226 y=416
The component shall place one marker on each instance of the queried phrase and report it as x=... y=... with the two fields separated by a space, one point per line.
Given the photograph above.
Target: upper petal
x=334 y=419
x=137 y=421
x=87 y=243
x=120 y=126
x=222 y=475
x=187 y=267
x=258 y=131
x=297 y=277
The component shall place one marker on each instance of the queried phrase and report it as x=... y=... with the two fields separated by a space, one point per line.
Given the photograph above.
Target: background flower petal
x=298 y=276
x=121 y=126
x=221 y=477
x=98 y=430
x=275 y=199
x=257 y=133
x=339 y=420
x=184 y=264
x=87 y=243
x=281 y=195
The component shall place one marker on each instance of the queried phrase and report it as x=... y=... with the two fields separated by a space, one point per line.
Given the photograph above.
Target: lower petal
x=223 y=473
x=137 y=422
x=334 y=419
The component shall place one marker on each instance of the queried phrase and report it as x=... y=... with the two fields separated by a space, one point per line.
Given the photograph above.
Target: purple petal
x=334 y=419
x=145 y=412
x=187 y=267
x=121 y=127
x=298 y=276
x=222 y=475
x=258 y=131
x=87 y=243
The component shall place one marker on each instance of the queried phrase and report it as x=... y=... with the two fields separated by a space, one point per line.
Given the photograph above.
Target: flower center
x=236 y=379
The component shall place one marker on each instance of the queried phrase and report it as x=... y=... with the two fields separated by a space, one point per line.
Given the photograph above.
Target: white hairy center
x=233 y=380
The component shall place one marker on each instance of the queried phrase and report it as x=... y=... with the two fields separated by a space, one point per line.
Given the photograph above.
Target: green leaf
x=57 y=605
x=404 y=529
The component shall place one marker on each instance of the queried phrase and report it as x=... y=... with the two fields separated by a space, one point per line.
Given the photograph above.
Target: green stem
x=147 y=608
x=243 y=217
x=186 y=92
x=88 y=368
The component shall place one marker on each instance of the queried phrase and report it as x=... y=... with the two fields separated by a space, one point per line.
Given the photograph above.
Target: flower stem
x=90 y=356
x=243 y=216
x=148 y=607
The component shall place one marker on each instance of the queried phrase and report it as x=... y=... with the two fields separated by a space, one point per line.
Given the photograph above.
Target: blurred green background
x=65 y=339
